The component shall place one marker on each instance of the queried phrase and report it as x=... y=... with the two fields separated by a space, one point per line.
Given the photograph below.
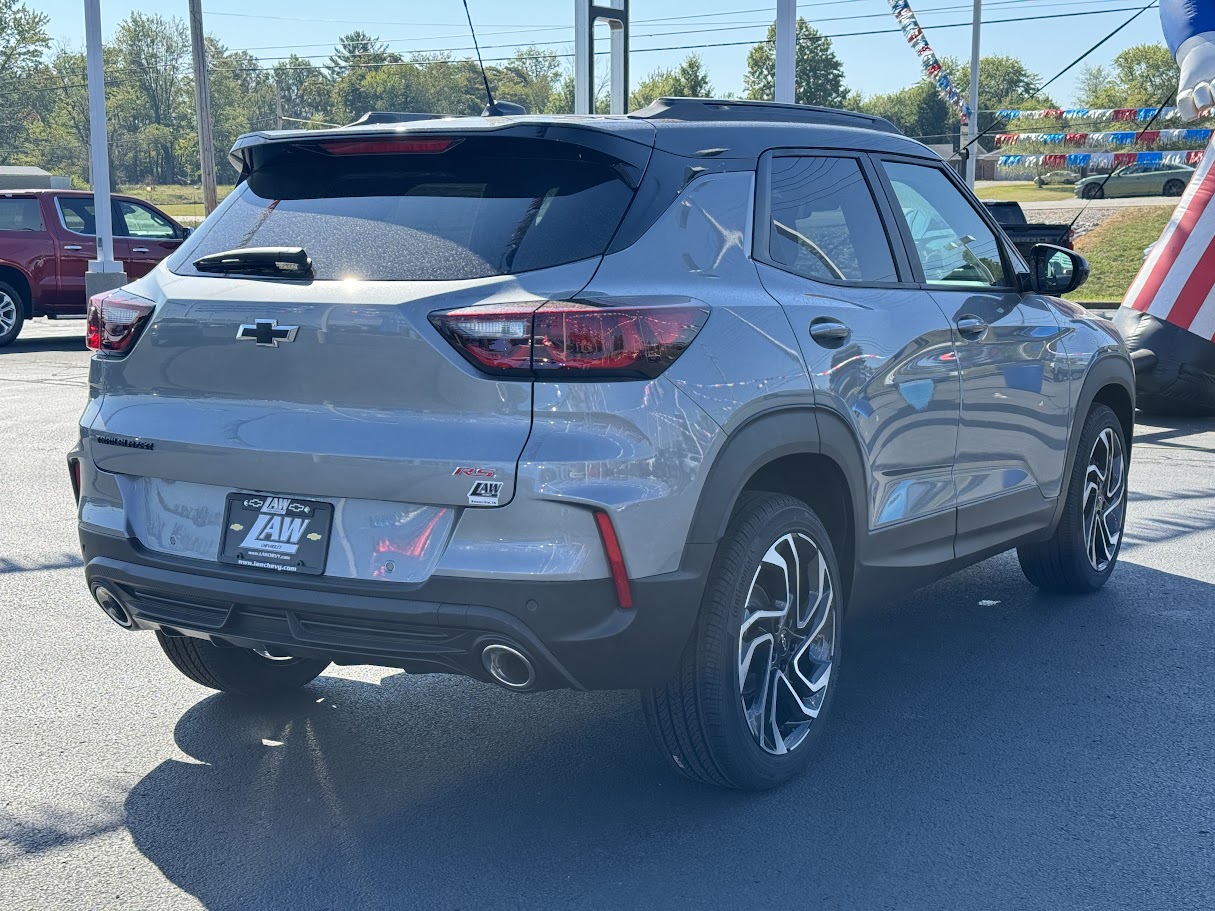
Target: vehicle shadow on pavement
x=991 y=747
x=72 y=343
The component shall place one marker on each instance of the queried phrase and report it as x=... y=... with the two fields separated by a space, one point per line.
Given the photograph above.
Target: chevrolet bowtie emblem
x=267 y=332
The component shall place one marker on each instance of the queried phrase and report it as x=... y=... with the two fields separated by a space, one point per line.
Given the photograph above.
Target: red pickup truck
x=47 y=238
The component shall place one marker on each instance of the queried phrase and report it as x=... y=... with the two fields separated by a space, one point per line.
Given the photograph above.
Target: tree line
x=150 y=93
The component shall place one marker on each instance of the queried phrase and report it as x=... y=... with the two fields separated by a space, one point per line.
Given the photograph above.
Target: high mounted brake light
x=115 y=320
x=386 y=146
x=571 y=340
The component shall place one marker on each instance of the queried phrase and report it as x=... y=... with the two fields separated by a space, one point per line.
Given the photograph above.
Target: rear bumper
x=575 y=632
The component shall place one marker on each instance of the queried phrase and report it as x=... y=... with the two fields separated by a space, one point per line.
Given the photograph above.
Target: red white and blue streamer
x=928 y=60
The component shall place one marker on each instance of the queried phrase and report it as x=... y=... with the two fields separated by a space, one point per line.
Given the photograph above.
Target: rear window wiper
x=284 y=262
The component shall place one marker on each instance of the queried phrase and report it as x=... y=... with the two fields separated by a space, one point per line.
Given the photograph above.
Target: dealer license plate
x=279 y=533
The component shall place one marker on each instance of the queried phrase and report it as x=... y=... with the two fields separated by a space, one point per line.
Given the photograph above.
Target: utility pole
x=202 y=104
x=972 y=142
x=278 y=107
x=786 y=51
x=104 y=274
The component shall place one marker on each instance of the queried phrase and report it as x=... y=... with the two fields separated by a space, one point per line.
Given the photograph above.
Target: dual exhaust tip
x=113 y=607
x=508 y=666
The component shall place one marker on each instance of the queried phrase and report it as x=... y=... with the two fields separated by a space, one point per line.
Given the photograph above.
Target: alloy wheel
x=8 y=313
x=786 y=643
x=1104 y=499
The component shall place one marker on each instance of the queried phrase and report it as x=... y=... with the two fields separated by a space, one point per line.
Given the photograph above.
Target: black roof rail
x=731 y=109
x=377 y=117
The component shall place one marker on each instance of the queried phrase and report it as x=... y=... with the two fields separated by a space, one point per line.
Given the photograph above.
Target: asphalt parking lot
x=991 y=747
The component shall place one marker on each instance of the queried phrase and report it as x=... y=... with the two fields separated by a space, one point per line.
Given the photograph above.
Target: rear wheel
x=1093 y=191
x=747 y=703
x=238 y=670
x=12 y=314
x=1081 y=555
x=1174 y=187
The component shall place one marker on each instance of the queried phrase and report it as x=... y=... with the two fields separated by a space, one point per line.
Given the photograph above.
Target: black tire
x=1093 y=191
x=1174 y=187
x=238 y=670
x=1068 y=562
x=697 y=718
x=12 y=314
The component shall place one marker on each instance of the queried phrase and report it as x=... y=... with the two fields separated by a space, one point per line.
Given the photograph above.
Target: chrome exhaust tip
x=113 y=607
x=508 y=666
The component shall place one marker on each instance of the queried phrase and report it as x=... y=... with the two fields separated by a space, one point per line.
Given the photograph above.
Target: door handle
x=972 y=326
x=139 y=249
x=72 y=247
x=828 y=332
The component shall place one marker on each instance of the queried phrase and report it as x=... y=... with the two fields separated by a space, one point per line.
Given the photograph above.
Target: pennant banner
x=1139 y=114
x=1117 y=137
x=928 y=60
x=1100 y=160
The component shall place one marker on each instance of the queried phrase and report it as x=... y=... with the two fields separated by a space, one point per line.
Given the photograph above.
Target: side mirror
x=1056 y=270
x=186 y=231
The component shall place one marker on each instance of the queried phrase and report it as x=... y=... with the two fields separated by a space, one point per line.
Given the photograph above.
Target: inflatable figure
x=1168 y=316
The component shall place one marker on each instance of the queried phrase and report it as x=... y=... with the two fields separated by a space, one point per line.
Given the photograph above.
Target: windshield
x=480 y=208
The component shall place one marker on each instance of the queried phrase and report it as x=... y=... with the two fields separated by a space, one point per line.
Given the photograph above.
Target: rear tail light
x=115 y=320
x=563 y=339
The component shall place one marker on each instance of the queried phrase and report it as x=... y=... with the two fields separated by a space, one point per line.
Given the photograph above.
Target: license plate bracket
x=282 y=534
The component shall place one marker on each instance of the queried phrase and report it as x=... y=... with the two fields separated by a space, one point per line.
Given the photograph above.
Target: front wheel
x=1174 y=187
x=747 y=703
x=1093 y=191
x=1081 y=555
x=242 y=671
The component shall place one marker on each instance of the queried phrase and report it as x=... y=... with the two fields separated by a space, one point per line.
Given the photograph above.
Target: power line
x=121 y=69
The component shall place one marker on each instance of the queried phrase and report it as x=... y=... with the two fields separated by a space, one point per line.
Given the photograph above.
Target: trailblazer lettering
x=129 y=444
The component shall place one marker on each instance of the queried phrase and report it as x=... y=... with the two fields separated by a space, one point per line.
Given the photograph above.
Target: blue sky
x=872 y=63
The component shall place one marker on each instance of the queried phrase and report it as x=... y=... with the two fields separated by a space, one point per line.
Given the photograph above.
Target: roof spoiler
x=711 y=109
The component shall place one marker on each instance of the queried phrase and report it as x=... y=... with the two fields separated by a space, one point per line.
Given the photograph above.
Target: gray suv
x=592 y=402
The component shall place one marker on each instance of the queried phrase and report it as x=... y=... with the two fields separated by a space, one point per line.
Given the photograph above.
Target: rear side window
x=76 y=212
x=20 y=215
x=954 y=244
x=483 y=207
x=825 y=223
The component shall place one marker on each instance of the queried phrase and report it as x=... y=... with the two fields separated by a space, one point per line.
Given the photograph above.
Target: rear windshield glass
x=480 y=208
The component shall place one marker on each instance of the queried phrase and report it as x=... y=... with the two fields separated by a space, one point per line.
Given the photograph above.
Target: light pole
x=972 y=143
x=104 y=274
x=786 y=51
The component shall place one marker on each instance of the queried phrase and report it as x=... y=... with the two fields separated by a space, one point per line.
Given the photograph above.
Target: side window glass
x=825 y=223
x=20 y=215
x=954 y=244
x=143 y=222
x=76 y=213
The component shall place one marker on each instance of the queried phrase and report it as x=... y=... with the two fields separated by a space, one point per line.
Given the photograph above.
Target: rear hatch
x=336 y=384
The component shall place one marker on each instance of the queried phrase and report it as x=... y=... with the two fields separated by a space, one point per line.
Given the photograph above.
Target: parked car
x=1053 y=178
x=1137 y=180
x=634 y=415
x=1025 y=234
x=47 y=238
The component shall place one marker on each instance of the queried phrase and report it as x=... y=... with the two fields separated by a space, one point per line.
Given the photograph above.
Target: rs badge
x=485 y=493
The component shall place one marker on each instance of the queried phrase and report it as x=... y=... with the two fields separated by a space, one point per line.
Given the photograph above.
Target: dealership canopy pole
x=586 y=14
x=972 y=141
x=786 y=51
x=103 y=273
x=202 y=104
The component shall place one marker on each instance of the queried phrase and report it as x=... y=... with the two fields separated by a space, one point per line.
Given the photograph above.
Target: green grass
x=1025 y=191
x=174 y=200
x=1115 y=251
